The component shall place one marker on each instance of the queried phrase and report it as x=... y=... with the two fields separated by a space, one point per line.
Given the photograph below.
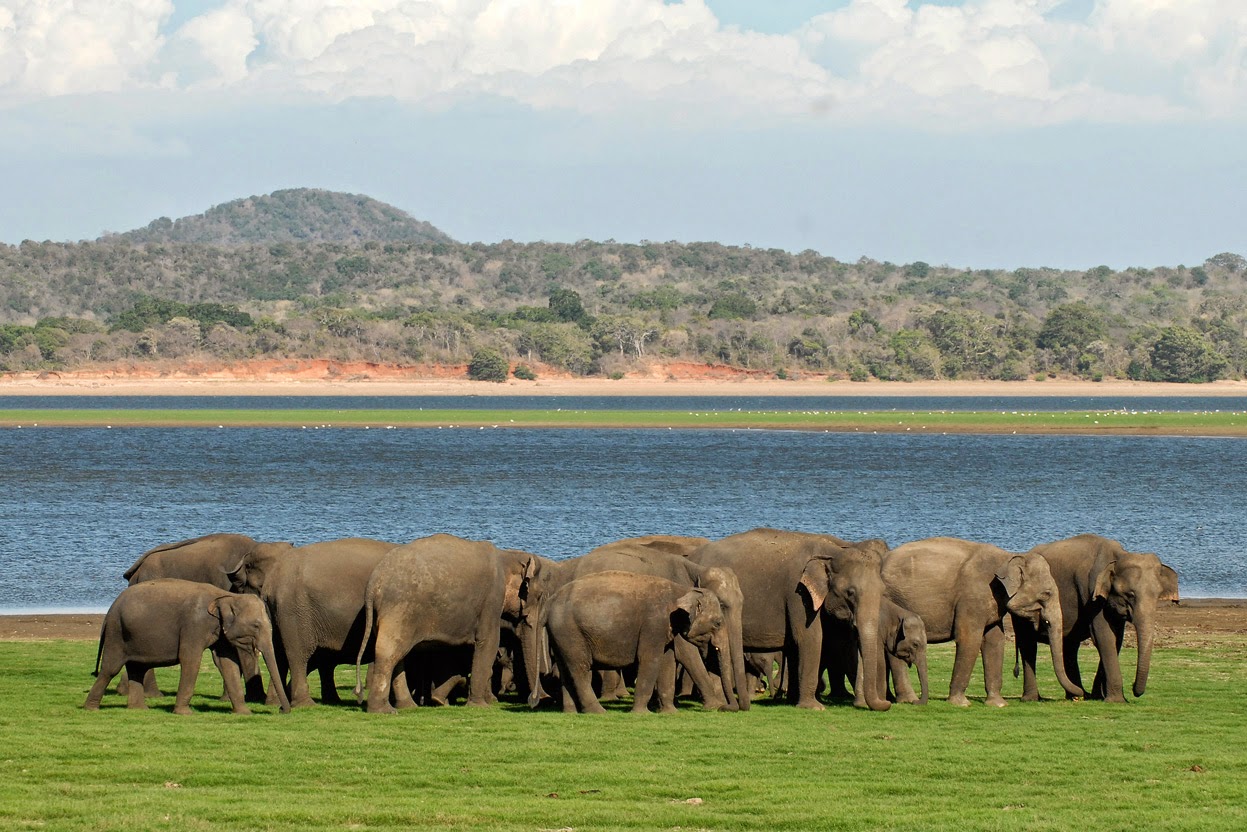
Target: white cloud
x=984 y=62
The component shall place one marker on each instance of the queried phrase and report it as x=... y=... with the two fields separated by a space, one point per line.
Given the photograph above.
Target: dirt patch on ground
x=1188 y=624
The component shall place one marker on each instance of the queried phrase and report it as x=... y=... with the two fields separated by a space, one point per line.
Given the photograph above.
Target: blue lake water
x=78 y=505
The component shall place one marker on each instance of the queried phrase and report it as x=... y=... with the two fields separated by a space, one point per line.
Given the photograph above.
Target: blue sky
x=982 y=133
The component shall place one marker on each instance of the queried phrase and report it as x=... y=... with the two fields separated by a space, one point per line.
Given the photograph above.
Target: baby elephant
x=169 y=621
x=609 y=620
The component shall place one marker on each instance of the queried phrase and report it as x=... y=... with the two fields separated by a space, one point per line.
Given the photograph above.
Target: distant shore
x=328 y=379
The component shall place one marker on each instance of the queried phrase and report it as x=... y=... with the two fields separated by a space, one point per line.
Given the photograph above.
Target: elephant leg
x=391 y=648
x=400 y=686
x=809 y=651
x=485 y=651
x=228 y=660
x=328 y=684
x=150 y=688
x=298 y=657
x=189 y=660
x=666 y=683
x=1072 y=670
x=993 y=650
x=611 y=684
x=648 y=667
x=901 y=683
x=135 y=696
x=1028 y=651
x=1107 y=637
x=690 y=659
x=108 y=669
x=577 y=673
x=969 y=640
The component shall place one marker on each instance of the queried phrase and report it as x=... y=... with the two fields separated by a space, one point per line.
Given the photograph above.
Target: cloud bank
x=986 y=62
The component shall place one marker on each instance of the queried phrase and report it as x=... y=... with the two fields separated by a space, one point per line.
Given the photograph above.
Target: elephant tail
x=99 y=651
x=1017 y=658
x=363 y=646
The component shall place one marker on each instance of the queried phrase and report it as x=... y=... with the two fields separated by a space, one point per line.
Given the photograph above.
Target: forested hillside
x=608 y=307
x=296 y=215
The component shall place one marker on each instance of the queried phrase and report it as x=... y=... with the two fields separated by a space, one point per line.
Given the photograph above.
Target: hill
x=295 y=215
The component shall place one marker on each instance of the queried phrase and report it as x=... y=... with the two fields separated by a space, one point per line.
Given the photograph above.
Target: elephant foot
x=640 y=709
x=811 y=705
x=594 y=709
x=1030 y=697
x=242 y=710
x=90 y=706
x=1116 y=698
x=406 y=704
x=385 y=708
x=958 y=700
x=478 y=703
x=996 y=701
x=303 y=702
x=911 y=699
x=182 y=710
x=668 y=709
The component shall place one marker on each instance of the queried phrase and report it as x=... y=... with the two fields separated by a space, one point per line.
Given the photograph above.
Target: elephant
x=200 y=559
x=671 y=543
x=613 y=619
x=962 y=590
x=168 y=621
x=638 y=557
x=787 y=579
x=315 y=594
x=904 y=646
x=1102 y=586
x=441 y=591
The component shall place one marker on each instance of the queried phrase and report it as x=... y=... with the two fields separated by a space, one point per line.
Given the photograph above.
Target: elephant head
x=844 y=581
x=1130 y=585
x=249 y=573
x=910 y=647
x=546 y=578
x=698 y=616
x=1032 y=594
x=244 y=623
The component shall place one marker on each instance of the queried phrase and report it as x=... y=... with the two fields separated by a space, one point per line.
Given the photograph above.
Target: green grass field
x=1175 y=759
x=1213 y=423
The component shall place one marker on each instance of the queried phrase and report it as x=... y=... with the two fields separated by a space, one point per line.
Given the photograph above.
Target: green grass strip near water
x=1207 y=423
x=1176 y=759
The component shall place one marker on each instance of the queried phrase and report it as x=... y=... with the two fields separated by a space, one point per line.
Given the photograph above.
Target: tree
x=1228 y=260
x=567 y=306
x=733 y=306
x=1182 y=354
x=488 y=365
x=1072 y=325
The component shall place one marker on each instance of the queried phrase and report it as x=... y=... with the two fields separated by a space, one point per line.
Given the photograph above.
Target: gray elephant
x=203 y=559
x=315 y=594
x=169 y=621
x=1102 y=587
x=788 y=579
x=904 y=638
x=614 y=619
x=962 y=590
x=660 y=561
x=445 y=591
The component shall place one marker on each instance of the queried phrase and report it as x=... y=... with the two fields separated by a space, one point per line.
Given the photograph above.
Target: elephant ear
x=1168 y=584
x=1103 y=582
x=684 y=610
x=816 y=581
x=1010 y=575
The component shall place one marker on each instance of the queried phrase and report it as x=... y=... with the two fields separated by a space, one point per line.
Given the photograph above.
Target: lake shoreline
x=383 y=382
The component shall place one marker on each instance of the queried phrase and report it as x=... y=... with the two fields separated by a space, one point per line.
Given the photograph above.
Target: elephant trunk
x=871 y=647
x=1056 y=640
x=270 y=661
x=722 y=643
x=920 y=661
x=1144 y=629
x=530 y=647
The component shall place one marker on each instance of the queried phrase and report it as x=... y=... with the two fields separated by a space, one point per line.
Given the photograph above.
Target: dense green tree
x=567 y=306
x=1072 y=325
x=488 y=365
x=1185 y=355
x=733 y=306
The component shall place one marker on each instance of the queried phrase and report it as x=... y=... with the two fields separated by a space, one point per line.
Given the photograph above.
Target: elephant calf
x=610 y=620
x=169 y=621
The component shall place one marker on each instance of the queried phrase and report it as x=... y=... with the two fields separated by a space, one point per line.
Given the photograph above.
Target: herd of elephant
x=442 y=613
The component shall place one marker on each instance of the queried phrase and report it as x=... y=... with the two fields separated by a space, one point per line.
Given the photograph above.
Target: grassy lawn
x=1175 y=759
x=1208 y=423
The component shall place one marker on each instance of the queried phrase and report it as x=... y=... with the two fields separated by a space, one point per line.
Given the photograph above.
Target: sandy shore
x=372 y=385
